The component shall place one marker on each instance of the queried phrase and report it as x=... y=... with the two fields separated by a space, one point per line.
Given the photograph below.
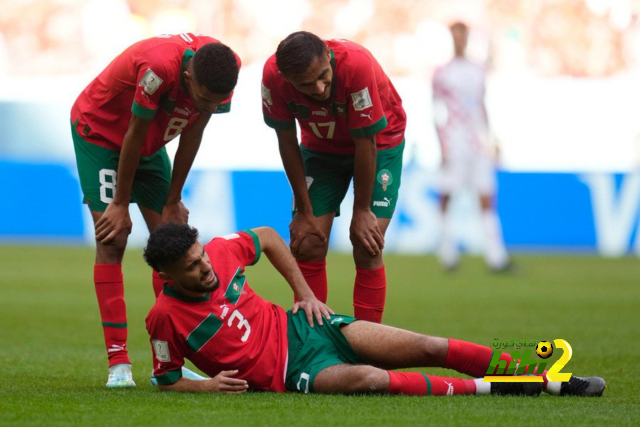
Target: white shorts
x=476 y=173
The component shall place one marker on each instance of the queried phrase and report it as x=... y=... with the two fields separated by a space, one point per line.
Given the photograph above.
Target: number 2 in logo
x=554 y=373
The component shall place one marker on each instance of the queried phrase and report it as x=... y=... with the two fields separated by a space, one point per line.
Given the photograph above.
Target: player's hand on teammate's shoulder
x=225 y=382
x=364 y=230
x=175 y=212
x=313 y=308
x=113 y=221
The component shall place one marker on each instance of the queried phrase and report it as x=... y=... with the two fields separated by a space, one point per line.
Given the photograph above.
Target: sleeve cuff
x=279 y=125
x=223 y=108
x=256 y=244
x=140 y=111
x=369 y=130
x=170 y=377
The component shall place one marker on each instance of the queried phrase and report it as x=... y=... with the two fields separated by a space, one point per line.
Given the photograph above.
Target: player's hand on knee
x=113 y=221
x=301 y=227
x=365 y=231
x=313 y=307
x=225 y=383
x=175 y=212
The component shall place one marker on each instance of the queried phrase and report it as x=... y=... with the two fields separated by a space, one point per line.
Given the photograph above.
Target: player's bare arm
x=190 y=139
x=278 y=254
x=116 y=218
x=364 y=228
x=304 y=222
x=224 y=382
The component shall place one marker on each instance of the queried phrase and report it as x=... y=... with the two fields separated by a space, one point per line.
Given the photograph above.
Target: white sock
x=482 y=387
x=553 y=387
x=495 y=252
x=120 y=368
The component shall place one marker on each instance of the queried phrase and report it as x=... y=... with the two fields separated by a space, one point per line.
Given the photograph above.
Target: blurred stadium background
x=562 y=97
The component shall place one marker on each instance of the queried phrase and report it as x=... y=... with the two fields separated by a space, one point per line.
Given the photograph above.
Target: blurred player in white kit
x=469 y=152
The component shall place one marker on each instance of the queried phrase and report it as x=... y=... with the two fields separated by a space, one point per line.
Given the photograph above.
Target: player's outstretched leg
x=472 y=359
x=349 y=379
x=418 y=383
x=393 y=348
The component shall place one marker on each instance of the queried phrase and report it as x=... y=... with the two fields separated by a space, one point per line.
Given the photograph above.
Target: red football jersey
x=229 y=328
x=363 y=103
x=145 y=80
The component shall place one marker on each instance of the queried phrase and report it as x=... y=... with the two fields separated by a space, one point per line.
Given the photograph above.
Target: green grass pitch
x=53 y=365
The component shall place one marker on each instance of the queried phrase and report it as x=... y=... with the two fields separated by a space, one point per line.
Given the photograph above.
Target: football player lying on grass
x=207 y=313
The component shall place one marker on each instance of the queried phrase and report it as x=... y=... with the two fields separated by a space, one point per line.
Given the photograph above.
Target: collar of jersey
x=172 y=292
x=332 y=60
x=188 y=54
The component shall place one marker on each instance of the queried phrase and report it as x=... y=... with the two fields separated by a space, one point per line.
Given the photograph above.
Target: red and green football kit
x=363 y=103
x=145 y=80
x=229 y=328
x=233 y=328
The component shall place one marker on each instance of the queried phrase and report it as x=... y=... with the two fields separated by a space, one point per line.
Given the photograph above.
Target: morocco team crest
x=385 y=178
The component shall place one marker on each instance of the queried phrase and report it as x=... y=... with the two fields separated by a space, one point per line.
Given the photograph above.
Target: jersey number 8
x=174 y=128
x=107 y=183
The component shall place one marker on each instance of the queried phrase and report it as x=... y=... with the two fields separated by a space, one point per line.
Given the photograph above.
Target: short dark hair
x=216 y=68
x=295 y=53
x=168 y=243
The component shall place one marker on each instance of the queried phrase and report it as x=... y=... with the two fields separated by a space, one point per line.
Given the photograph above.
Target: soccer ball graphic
x=544 y=349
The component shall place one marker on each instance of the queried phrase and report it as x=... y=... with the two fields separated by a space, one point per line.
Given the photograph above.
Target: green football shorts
x=98 y=168
x=329 y=175
x=313 y=349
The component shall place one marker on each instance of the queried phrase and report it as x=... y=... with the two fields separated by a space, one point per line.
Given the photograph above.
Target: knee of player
x=312 y=249
x=370 y=380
